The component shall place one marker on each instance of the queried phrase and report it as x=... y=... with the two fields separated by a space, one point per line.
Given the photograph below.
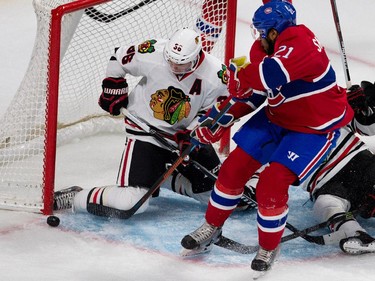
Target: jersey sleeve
x=135 y=60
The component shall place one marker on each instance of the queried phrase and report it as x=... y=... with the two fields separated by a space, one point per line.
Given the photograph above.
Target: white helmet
x=183 y=48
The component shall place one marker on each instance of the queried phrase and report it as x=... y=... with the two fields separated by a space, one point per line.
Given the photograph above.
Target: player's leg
x=141 y=165
x=350 y=189
x=224 y=198
x=190 y=180
x=233 y=175
x=290 y=164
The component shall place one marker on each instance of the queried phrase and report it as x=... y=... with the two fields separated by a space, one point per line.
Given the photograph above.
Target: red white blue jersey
x=348 y=145
x=302 y=91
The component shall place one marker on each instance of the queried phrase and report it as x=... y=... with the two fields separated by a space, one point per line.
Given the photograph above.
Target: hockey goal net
x=57 y=99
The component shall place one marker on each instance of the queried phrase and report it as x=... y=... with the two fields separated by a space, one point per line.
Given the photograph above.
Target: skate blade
x=258 y=274
x=195 y=252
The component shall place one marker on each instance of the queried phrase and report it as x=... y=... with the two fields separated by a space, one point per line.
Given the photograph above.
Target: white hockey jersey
x=161 y=98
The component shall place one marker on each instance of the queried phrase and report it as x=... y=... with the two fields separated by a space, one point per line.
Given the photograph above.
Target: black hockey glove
x=356 y=98
x=369 y=91
x=114 y=95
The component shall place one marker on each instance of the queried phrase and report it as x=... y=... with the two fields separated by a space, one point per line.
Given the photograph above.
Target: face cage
x=191 y=68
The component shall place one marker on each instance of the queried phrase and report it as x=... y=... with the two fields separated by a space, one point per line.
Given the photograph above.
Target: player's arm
x=362 y=100
x=114 y=94
x=205 y=135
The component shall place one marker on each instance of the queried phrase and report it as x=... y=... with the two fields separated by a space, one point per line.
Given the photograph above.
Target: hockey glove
x=356 y=98
x=369 y=91
x=204 y=134
x=182 y=138
x=234 y=85
x=114 y=95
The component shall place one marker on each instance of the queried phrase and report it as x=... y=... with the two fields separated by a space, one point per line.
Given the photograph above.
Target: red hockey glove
x=206 y=135
x=234 y=85
x=114 y=95
x=356 y=98
x=182 y=138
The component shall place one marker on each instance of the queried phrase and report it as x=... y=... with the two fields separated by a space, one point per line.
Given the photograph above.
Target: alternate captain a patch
x=147 y=46
x=170 y=105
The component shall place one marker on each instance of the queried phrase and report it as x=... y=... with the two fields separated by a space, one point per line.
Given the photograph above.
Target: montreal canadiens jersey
x=302 y=92
x=348 y=145
x=161 y=98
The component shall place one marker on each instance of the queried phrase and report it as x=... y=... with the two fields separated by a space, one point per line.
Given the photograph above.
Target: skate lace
x=64 y=201
x=265 y=255
x=205 y=232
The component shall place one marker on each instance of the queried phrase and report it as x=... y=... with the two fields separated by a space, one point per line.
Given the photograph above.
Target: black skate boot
x=201 y=240
x=63 y=199
x=248 y=200
x=361 y=243
x=263 y=261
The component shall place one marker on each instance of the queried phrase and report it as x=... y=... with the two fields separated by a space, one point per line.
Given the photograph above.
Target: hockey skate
x=63 y=199
x=362 y=243
x=263 y=261
x=201 y=240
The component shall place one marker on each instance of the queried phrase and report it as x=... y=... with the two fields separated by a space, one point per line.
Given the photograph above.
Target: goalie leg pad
x=121 y=198
x=327 y=205
x=182 y=185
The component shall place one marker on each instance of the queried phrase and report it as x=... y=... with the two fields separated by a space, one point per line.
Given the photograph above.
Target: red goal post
x=57 y=99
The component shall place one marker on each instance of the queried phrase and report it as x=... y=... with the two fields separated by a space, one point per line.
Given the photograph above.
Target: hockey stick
x=159 y=136
x=106 y=211
x=326 y=238
x=240 y=248
x=341 y=43
x=107 y=18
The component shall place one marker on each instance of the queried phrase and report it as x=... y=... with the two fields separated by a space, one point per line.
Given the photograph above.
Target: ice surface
x=146 y=246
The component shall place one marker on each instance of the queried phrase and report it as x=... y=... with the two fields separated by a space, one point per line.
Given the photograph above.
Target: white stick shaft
x=341 y=43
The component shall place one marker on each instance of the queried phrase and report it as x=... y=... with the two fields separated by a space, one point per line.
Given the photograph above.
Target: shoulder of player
x=296 y=36
x=211 y=70
x=150 y=51
x=212 y=64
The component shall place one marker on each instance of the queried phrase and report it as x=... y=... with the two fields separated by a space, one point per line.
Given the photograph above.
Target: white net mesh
x=87 y=41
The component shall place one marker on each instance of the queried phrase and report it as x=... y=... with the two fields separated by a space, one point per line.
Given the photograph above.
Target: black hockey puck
x=53 y=221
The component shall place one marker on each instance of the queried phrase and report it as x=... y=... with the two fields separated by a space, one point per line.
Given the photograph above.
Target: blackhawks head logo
x=147 y=47
x=223 y=74
x=170 y=105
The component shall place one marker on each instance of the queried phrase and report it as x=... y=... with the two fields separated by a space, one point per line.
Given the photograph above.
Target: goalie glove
x=204 y=134
x=114 y=95
x=234 y=84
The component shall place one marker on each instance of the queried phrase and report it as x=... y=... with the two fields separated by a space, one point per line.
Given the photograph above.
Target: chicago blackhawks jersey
x=163 y=99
